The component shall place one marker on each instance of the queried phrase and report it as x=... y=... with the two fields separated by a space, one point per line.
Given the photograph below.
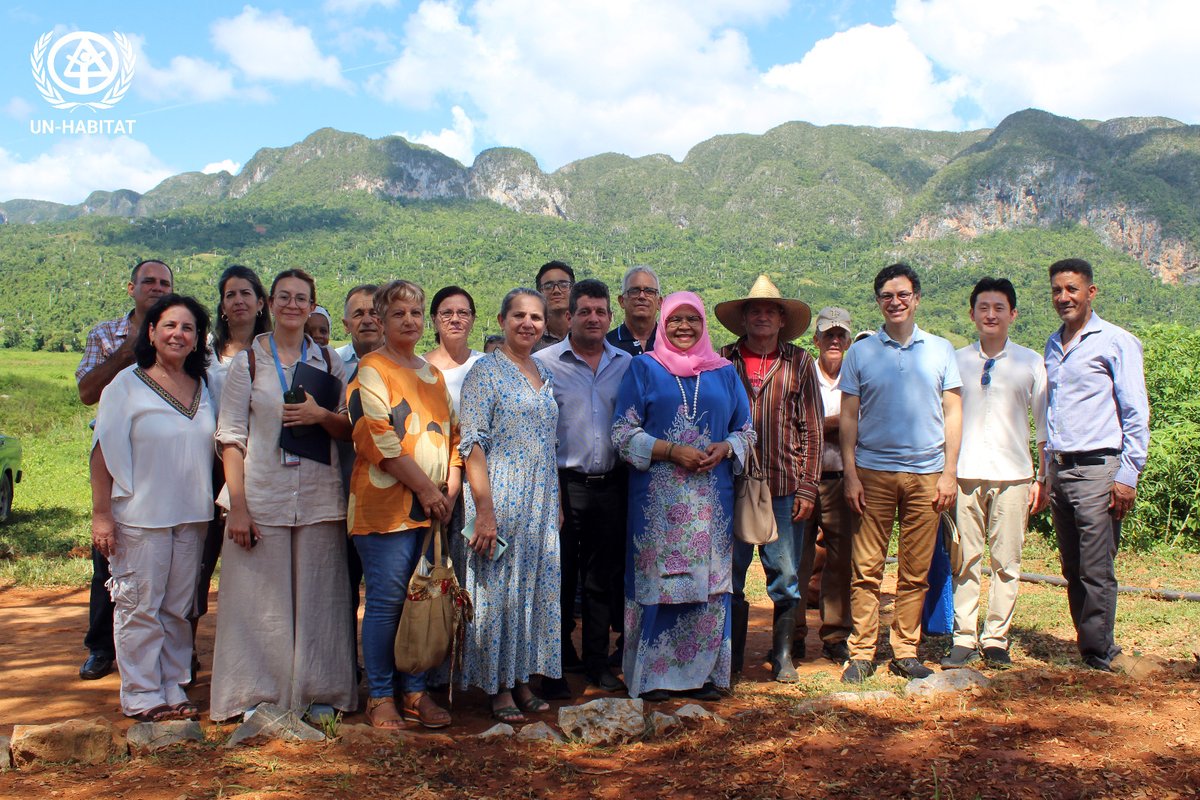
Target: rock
x=951 y=680
x=5 y=754
x=498 y=731
x=696 y=711
x=1138 y=666
x=659 y=723
x=271 y=721
x=539 y=731
x=146 y=737
x=840 y=700
x=88 y=741
x=609 y=720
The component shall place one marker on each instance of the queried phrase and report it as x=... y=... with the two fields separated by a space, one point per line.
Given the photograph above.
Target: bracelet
x=670 y=449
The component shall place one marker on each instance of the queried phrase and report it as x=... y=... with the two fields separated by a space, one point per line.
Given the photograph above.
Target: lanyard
x=279 y=367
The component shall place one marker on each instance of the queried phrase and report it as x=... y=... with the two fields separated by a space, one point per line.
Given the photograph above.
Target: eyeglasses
x=639 y=291
x=451 y=313
x=986 y=377
x=562 y=286
x=888 y=297
x=285 y=299
x=675 y=322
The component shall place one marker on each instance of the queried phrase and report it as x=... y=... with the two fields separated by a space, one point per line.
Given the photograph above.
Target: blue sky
x=212 y=83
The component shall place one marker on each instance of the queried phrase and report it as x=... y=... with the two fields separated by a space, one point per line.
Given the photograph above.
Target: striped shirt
x=788 y=416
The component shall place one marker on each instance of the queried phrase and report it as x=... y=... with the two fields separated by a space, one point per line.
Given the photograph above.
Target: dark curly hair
x=196 y=363
x=262 y=322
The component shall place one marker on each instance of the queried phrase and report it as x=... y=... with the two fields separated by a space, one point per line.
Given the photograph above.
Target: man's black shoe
x=1097 y=663
x=858 y=670
x=96 y=667
x=708 y=691
x=607 y=681
x=997 y=658
x=909 y=668
x=570 y=660
x=555 y=689
x=961 y=656
x=655 y=695
x=837 y=652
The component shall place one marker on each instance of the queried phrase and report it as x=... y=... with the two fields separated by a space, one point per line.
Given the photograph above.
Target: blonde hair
x=397 y=290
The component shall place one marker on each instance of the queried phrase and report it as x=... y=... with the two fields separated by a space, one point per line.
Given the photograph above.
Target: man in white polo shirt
x=1003 y=383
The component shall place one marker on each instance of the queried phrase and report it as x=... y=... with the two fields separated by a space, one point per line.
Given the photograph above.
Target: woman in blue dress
x=682 y=420
x=509 y=421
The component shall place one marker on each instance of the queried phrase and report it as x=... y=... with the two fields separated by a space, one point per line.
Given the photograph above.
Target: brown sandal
x=422 y=709
x=381 y=713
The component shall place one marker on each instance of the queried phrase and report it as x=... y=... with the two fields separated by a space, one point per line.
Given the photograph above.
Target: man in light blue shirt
x=901 y=423
x=587 y=372
x=1097 y=434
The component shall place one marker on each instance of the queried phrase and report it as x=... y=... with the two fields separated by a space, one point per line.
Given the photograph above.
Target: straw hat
x=796 y=314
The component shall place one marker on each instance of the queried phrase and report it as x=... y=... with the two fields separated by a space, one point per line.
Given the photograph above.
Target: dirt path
x=1038 y=731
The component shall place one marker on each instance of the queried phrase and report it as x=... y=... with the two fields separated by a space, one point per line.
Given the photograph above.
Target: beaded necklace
x=695 y=399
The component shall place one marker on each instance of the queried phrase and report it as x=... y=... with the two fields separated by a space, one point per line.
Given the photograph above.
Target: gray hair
x=629 y=273
x=513 y=294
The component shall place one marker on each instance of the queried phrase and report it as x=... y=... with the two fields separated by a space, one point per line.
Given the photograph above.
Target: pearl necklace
x=691 y=417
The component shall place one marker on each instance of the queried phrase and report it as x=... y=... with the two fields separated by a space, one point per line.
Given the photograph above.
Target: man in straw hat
x=785 y=406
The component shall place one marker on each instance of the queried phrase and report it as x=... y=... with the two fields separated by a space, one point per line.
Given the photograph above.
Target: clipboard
x=312 y=441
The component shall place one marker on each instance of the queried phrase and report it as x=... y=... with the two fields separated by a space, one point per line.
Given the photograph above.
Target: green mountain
x=819 y=208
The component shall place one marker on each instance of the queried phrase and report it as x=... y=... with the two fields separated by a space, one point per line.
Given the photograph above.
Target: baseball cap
x=833 y=317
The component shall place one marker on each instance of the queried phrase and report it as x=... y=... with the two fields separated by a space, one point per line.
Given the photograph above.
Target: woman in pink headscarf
x=682 y=419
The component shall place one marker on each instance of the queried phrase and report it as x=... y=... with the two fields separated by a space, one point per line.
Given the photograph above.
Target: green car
x=10 y=472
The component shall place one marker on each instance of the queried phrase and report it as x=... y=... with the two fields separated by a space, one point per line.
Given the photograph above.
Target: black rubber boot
x=739 y=612
x=784 y=631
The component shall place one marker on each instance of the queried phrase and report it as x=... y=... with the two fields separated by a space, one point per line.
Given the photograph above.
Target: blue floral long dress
x=679 y=561
x=515 y=633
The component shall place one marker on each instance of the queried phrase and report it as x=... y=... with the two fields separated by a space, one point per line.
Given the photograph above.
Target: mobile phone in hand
x=294 y=396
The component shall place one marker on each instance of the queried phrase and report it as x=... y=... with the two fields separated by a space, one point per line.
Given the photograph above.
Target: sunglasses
x=986 y=377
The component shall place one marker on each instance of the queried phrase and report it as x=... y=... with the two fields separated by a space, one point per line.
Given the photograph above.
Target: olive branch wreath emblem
x=54 y=97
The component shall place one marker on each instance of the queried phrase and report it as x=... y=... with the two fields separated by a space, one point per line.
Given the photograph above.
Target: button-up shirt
x=831 y=399
x=789 y=419
x=585 y=405
x=901 y=426
x=102 y=341
x=995 y=417
x=623 y=338
x=1096 y=395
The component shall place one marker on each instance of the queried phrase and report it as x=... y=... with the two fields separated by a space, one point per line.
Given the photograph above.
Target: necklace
x=695 y=398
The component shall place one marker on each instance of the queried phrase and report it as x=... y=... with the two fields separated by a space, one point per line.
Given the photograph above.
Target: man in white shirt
x=1003 y=383
x=366 y=332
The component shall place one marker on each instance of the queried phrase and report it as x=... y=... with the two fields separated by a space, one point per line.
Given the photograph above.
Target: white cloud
x=270 y=46
x=18 y=108
x=356 y=6
x=457 y=142
x=73 y=168
x=184 y=78
x=228 y=165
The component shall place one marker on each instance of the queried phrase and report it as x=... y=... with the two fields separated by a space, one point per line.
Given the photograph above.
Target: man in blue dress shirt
x=1097 y=427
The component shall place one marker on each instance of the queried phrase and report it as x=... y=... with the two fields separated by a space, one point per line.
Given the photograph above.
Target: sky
x=203 y=86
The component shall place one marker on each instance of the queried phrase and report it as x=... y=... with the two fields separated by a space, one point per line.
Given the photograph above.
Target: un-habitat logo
x=92 y=70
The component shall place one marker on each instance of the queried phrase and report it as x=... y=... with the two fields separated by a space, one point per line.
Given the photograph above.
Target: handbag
x=753 y=515
x=435 y=608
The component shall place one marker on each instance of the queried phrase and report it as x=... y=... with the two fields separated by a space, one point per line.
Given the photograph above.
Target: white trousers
x=153 y=585
x=999 y=509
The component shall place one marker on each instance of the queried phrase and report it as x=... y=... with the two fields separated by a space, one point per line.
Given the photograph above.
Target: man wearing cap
x=834 y=517
x=785 y=406
x=1003 y=383
x=900 y=430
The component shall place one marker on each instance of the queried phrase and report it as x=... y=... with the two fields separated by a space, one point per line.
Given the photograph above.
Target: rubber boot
x=783 y=633
x=739 y=613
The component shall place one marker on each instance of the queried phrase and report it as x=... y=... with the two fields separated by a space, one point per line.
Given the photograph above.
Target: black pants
x=99 y=637
x=592 y=544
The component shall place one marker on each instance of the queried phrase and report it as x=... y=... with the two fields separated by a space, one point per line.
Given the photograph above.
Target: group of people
x=578 y=464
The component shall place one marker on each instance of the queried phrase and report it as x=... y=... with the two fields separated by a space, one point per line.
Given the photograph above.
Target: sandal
x=185 y=710
x=531 y=703
x=508 y=714
x=423 y=710
x=161 y=713
x=381 y=713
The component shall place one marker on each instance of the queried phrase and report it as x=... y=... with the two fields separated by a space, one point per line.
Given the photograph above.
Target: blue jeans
x=780 y=558
x=388 y=560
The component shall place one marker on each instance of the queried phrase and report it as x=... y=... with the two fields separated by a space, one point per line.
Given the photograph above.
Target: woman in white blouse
x=151 y=503
x=453 y=313
x=284 y=625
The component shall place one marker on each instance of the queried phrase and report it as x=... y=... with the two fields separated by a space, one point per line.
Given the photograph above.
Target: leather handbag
x=435 y=609
x=753 y=515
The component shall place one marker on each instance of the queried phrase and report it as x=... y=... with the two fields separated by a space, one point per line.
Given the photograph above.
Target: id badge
x=288 y=459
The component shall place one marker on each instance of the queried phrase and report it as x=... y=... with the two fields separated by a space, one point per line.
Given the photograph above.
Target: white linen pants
x=999 y=509
x=153 y=585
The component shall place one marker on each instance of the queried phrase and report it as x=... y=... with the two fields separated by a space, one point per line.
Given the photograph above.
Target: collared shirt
x=788 y=416
x=831 y=399
x=102 y=342
x=901 y=427
x=349 y=357
x=995 y=424
x=585 y=405
x=623 y=338
x=1096 y=396
x=548 y=340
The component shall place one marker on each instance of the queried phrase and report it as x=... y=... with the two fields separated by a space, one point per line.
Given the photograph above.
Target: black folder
x=312 y=441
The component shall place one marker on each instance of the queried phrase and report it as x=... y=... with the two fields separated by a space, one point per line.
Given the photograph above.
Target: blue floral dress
x=515 y=632
x=679 y=561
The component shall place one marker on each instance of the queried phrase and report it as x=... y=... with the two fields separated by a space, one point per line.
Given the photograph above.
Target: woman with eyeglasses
x=284 y=633
x=453 y=313
x=682 y=419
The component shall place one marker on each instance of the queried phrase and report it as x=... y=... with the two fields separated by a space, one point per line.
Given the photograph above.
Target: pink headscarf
x=700 y=357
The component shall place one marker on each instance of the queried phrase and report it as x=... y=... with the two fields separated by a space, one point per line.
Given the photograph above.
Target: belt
x=598 y=479
x=832 y=475
x=1085 y=458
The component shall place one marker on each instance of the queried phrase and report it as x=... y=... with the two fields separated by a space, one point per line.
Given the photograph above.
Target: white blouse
x=456 y=376
x=160 y=460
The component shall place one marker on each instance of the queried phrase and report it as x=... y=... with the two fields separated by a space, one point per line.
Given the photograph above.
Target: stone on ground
x=609 y=720
x=539 y=731
x=697 y=711
x=86 y=741
x=272 y=722
x=146 y=737
x=659 y=723
x=5 y=754
x=500 y=730
x=840 y=700
x=953 y=680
